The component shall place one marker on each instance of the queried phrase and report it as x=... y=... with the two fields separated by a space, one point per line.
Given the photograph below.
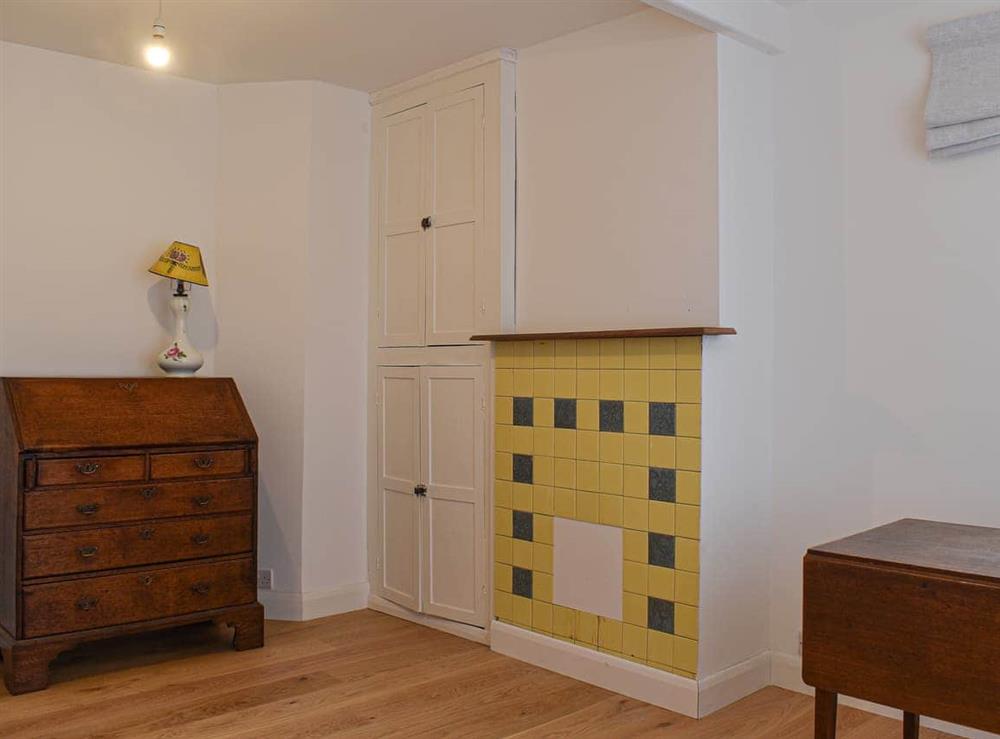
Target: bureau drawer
x=119 y=503
x=93 y=602
x=125 y=546
x=198 y=464
x=88 y=470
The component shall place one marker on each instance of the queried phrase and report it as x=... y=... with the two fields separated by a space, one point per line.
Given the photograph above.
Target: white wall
x=617 y=179
x=101 y=166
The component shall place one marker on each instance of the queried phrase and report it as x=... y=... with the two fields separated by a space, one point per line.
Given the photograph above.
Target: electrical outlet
x=265 y=579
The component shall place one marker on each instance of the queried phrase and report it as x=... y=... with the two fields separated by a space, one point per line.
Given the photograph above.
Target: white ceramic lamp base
x=180 y=358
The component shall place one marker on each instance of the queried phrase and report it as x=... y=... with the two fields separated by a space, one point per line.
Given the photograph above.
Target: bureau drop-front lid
x=62 y=414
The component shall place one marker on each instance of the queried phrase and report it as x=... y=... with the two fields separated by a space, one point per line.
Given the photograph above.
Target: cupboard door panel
x=402 y=309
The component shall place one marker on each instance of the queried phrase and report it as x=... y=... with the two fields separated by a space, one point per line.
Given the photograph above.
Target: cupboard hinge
x=482 y=404
x=482 y=308
x=378 y=564
x=378 y=400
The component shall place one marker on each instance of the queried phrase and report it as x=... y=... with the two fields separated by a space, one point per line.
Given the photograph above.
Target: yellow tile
x=611 y=447
x=688 y=454
x=635 y=546
x=502 y=495
x=662 y=353
x=688 y=386
x=588 y=415
x=588 y=476
x=542 y=528
x=541 y=470
x=541 y=586
x=611 y=510
x=523 y=351
x=612 y=384
x=686 y=555
x=588 y=445
x=636 y=417
x=564 y=473
x=523 y=439
x=543 y=381
x=636 y=385
x=522 y=494
x=635 y=449
x=689 y=487
x=544 y=444
x=542 y=557
x=542 y=501
x=503 y=410
x=502 y=605
x=610 y=634
x=565 y=353
x=661 y=517
x=503 y=354
x=562 y=621
x=689 y=352
x=502 y=549
x=686 y=654
x=503 y=438
x=634 y=641
x=661 y=582
x=503 y=577
x=564 y=383
x=544 y=353
x=687 y=521
x=612 y=354
x=662 y=451
x=686 y=621
x=611 y=479
x=687 y=588
x=541 y=616
x=522 y=611
x=636 y=353
x=587 y=506
x=504 y=381
x=636 y=514
x=688 y=419
x=521 y=553
x=564 y=502
x=564 y=443
x=634 y=609
x=635 y=578
x=636 y=481
x=503 y=521
x=588 y=383
x=663 y=386
x=586 y=628
x=588 y=354
x=524 y=383
x=659 y=647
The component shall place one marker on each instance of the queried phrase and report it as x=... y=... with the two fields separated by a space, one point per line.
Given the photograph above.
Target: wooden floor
x=362 y=674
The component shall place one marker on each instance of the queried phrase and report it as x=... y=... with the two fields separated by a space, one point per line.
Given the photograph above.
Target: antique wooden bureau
x=126 y=505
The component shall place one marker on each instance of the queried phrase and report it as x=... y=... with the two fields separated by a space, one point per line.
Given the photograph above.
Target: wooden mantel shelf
x=628 y=333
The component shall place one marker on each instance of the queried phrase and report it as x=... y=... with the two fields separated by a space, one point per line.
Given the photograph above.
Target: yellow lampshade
x=181 y=262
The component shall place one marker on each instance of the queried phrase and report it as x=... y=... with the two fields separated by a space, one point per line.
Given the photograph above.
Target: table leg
x=911 y=725
x=826 y=714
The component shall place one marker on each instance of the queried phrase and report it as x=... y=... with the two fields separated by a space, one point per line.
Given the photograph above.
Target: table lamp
x=180 y=262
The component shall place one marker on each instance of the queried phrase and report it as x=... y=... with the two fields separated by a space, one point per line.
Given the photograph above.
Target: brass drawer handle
x=86 y=603
x=200 y=539
x=203 y=463
x=128 y=386
x=146 y=534
x=201 y=588
x=202 y=500
x=147 y=493
x=88 y=509
x=146 y=580
x=87 y=552
x=88 y=468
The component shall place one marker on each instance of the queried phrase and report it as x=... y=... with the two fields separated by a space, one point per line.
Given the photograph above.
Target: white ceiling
x=364 y=44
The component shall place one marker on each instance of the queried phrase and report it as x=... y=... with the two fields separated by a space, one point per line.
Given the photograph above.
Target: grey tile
x=662 y=484
x=662 y=419
x=524 y=412
x=661 y=548
x=659 y=614
x=565 y=413
x=524 y=525
x=612 y=415
x=523 y=468
x=522 y=584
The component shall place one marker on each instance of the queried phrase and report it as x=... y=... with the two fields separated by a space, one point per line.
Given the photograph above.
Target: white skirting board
x=316 y=604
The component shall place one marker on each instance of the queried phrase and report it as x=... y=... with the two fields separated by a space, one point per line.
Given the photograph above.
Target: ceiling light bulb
x=157 y=53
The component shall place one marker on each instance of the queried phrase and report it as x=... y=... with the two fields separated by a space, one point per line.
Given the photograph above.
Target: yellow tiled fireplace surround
x=605 y=431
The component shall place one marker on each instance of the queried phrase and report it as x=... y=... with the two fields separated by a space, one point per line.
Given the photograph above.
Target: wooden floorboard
x=363 y=674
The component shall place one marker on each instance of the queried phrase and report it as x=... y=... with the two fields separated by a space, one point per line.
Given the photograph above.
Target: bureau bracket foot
x=248 y=625
x=26 y=668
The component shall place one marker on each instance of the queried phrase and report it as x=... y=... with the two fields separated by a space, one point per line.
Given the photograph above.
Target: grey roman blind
x=963 y=104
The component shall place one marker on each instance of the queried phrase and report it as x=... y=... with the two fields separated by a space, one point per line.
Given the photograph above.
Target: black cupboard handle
x=86 y=603
x=88 y=509
x=87 y=552
x=425 y=223
x=420 y=490
x=203 y=463
x=88 y=468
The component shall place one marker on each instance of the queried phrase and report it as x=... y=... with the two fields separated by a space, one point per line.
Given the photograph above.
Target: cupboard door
x=398 y=475
x=402 y=204
x=454 y=516
x=455 y=182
